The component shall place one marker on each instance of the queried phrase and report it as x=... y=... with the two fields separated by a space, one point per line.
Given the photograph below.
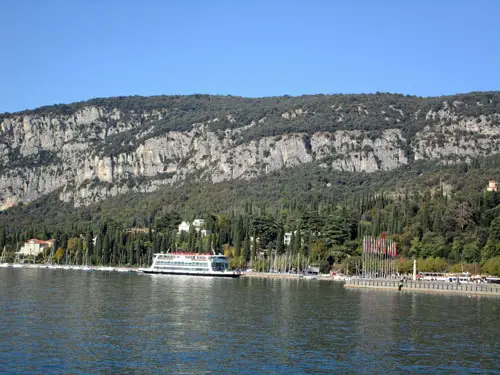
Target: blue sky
x=56 y=51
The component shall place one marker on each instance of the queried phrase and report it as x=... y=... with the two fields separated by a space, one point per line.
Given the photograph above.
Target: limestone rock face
x=49 y=152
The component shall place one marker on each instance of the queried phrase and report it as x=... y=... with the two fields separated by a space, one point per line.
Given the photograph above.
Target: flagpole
x=369 y=261
x=365 y=263
x=384 y=260
x=386 y=264
x=363 y=259
x=388 y=260
x=392 y=257
x=371 y=256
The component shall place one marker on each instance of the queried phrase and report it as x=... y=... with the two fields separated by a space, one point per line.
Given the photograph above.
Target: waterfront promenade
x=278 y=275
x=425 y=286
x=271 y=275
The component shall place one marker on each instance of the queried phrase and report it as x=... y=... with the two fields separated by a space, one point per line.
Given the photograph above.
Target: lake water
x=77 y=322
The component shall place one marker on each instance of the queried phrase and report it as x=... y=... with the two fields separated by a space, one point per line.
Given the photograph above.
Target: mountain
x=89 y=152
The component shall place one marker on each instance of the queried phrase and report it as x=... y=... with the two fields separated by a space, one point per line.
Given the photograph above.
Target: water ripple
x=63 y=322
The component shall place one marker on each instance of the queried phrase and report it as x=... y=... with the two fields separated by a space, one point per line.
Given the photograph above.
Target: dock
x=425 y=286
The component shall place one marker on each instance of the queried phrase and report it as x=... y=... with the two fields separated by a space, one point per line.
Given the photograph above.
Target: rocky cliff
x=101 y=148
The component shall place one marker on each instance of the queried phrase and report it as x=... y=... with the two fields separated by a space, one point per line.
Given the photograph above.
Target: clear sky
x=61 y=51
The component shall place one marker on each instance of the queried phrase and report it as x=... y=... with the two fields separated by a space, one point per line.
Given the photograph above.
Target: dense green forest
x=441 y=215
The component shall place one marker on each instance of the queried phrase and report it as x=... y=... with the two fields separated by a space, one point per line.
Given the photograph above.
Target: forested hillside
x=442 y=215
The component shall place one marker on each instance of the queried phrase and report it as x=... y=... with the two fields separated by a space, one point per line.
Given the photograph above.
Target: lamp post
x=414 y=269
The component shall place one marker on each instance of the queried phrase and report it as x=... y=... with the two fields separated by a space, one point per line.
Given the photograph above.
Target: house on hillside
x=197 y=225
x=184 y=227
x=35 y=247
x=492 y=186
x=287 y=238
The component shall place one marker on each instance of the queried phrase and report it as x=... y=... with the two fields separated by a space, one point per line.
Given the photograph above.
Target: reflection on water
x=58 y=321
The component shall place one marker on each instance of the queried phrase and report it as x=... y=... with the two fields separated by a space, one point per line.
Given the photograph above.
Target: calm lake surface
x=78 y=322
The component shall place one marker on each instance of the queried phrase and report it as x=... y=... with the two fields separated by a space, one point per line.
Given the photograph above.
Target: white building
x=35 y=247
x=184 y=227
x=492 y=186
x=287 y=238
x=197 y=224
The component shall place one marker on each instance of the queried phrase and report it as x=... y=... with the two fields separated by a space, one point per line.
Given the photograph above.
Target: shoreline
x=68 y=267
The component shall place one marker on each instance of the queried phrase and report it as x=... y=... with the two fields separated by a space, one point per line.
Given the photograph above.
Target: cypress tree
x=163 y=245
x=90 y=247
x=190 y=239
x=297 y=243
x=130 y=251
x=105 y=250
x=237 y=243
x=437 y=225
x=280 y=247
x=173 y=244
x=3 y=238
x=137 y=251
x=79 y=251
x=115 y=255
x=246 y=247
x=492 y=247
x=253 y=251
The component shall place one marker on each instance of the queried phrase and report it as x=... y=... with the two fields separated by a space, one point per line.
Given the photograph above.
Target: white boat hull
x=187 y=273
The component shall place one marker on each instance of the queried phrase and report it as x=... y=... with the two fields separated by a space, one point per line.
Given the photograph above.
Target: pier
x=425 y=286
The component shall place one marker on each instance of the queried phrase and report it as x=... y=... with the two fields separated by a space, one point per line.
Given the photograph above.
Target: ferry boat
x=195 y=264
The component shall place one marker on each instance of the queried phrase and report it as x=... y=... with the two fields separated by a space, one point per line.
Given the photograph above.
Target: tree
x=105 y=256
x=471 y=252
x=432 y=264
x=297 y=241
x=237 y=236
x=89 y=247
x=433 y=245
x=191 y=238
x=335 y=230
x=463 y=215
x=265 y=228
x=3 y=238
x=130 y=251
x=437 y=224
x=167 y=222
x=254 y=248
x=246 y=247
x=492 y=247
x=73 y=249
x=280 y=246
x=97 y=254
x=457 y=249
x=318 y=250
x=492 y=266
x=79 y=251
x=58 y=255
